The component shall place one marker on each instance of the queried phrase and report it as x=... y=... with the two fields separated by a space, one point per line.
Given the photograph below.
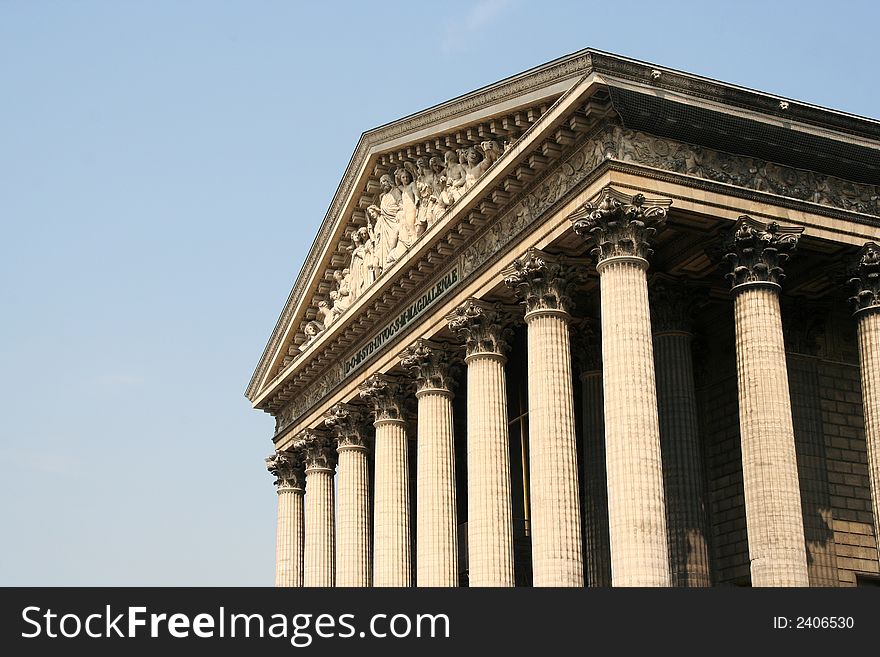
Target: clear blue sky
x=164 y=167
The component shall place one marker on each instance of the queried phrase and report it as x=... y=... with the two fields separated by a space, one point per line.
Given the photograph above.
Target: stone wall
x=832 y=458
x=847 y=470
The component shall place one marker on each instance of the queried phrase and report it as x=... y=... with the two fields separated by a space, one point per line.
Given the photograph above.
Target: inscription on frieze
x=399 y=323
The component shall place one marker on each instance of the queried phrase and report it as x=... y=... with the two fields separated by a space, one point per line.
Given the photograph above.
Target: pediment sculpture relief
x=411 y=200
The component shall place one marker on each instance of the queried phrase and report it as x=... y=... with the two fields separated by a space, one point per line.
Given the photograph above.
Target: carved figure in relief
x=453 y=180
x=387 y=221
x=312 y=330
x=342 y=300
x=373 y=220
x=358 y=265
x=428 y=189
x=407 y=209
x=475 y=165
x=368 y=239
x=326 y=313
x=436 y=206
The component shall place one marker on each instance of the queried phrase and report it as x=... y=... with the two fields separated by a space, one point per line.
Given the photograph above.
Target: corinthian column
x=774 y=520
x=542 y=281
x=353 y=567
x=680 y=435
x=436 y=528
x=866 y=304
x=484 y=329
x=392 y=564
x=320 y=461
x=598 y=542
x=290 y=480
x=621 y=226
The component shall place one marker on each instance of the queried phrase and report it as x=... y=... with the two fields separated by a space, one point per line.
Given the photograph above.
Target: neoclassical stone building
x=599 y=324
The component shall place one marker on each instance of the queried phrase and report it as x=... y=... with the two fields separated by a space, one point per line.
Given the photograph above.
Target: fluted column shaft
x=598 y=557
x=682 y=459
x=436 y=528
x=353 y=557
x=866 y=304
x=289 y=537
x=770 y=479
x=287 y=468
x=869 y=360
x=392 y=563
x=490 y=517
x=621 y=227
x=555 y=506
x=319 y=529
x=636 y=507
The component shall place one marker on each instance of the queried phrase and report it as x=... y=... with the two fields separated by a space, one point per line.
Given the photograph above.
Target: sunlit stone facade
x=599 y=324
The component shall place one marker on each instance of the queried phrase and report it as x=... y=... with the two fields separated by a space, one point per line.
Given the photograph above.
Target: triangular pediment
x=408 y=204
x=421 y=176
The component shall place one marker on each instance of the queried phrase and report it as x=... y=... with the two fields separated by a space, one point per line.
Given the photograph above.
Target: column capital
x=672 y=305
x=347 y=423
x=287 y=468
x=757 y=251
x=430 y=364
x=866 y=281
x=385 y=393
x=620 y=225
x=587 y=346
x=484 y=327
x=541 y=281
x=317 y=450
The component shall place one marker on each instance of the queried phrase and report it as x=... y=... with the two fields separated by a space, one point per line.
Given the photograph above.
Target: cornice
x=569 y=67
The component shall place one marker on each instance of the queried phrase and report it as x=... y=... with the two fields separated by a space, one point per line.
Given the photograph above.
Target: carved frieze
x=542 y=281
x=540 y=198
x=288 y=470
x=693 y=160
x=619 y=224
x=616 y=143
x=430 y=364
x=757 y=251
x=866 y=280
x=386 y=396
x=484 y=327
x=611 y=142
x=310 y=395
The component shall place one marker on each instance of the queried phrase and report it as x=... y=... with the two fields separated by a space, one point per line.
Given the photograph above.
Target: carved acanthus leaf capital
x=348 y=424
x=542 y=281
x=484 y=327
x=673 y=304
x=317 y=449
x=866 y=280
x=757 y=251
x=287 y=468
x=620 y=224
x=430 y=364
x=385 y=394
